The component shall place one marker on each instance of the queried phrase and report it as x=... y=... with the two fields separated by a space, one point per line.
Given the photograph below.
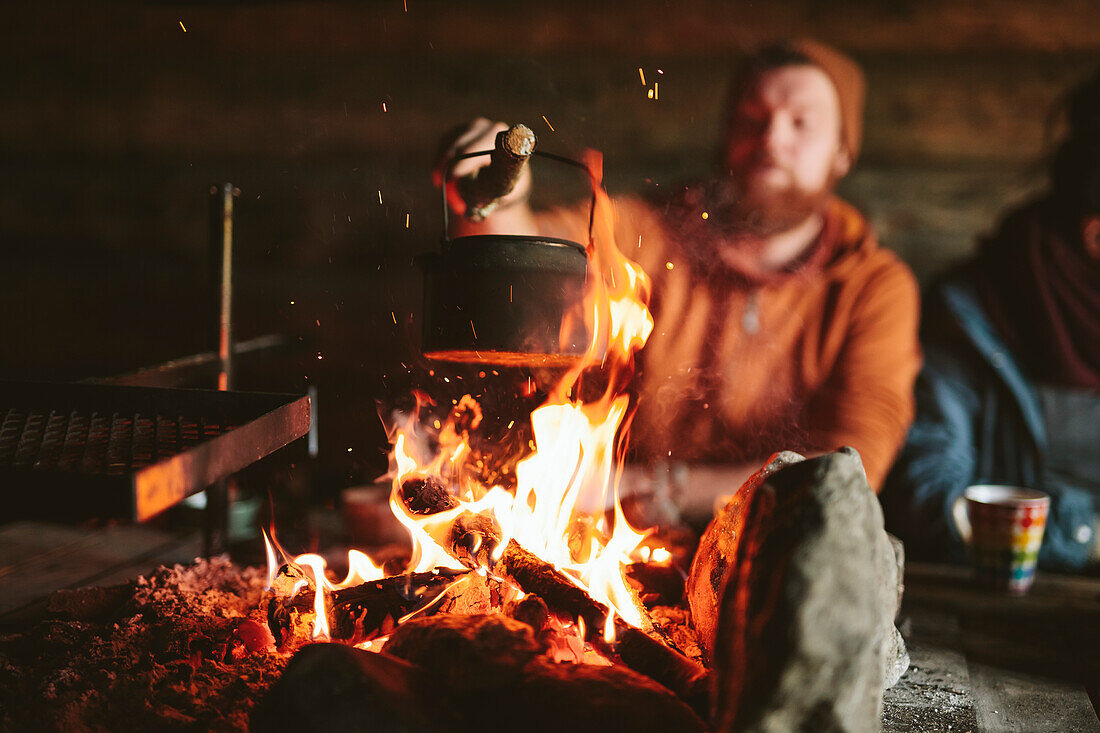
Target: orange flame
x=578 y=448
x=572 y=471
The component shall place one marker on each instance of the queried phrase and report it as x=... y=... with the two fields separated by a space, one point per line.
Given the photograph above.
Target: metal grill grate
x=96 y=443
x=93 y=450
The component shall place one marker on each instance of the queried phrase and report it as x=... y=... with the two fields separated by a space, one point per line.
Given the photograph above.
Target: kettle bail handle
x=449 y=171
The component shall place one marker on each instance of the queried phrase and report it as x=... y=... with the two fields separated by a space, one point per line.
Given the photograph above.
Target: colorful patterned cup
x=1006 y=529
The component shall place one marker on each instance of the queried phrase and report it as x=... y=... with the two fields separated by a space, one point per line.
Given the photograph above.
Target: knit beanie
x=847 y=78
x=851 y=88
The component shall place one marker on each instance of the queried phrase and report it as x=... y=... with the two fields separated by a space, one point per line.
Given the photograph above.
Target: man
x=779 y=321
x=1011 y=390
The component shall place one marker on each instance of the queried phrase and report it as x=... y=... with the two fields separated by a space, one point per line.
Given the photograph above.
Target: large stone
x=717 y=547
x=807 y=609
x=896 y=656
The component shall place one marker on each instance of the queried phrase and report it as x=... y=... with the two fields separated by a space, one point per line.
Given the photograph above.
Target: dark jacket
x=978 y=421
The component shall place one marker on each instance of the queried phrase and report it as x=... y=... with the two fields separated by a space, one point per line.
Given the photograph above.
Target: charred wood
x=585 y=697
x=658 y=584
x=531 y=610
x=338 y=688
x=689 y=680
x=368 y=610
x=642 y=653
x=473 y=538
x=562 y=596
x=364 y=611
x=426 y=495
x=473 y=653
x=460 y=662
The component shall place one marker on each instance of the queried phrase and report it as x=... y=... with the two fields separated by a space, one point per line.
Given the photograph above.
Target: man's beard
x=758 y=212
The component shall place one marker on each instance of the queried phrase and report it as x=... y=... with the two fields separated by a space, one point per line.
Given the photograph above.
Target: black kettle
x=505 y=299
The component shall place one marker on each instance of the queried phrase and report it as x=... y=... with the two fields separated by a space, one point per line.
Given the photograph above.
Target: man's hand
x=513 y=215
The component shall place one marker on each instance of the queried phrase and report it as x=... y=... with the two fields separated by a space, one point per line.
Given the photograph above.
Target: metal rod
x=216 y=515
x=221 y=256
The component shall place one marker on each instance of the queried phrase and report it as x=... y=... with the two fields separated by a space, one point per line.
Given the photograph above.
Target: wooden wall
x=114 y=120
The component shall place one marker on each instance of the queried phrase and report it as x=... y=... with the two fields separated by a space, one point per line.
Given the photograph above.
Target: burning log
x=438 y=674
x=474 y=652
x=660 y=584
x=364 y=611
x=531 y=610
x=426 y=495
x=473 y=538
x=339 y=688
x=689 y=680
x=561 y=595
x=371 y=609
x=637 y=650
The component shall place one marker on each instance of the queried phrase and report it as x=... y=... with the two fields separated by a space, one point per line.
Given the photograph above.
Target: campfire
x=550 y=550
x=524 y=596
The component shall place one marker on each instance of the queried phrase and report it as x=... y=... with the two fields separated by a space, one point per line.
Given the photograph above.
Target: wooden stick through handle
x=483 y=190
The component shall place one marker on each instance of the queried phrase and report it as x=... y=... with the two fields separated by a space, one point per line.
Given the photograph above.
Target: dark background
x=114 y=122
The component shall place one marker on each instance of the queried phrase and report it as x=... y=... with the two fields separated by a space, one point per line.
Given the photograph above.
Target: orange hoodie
x=823 y=357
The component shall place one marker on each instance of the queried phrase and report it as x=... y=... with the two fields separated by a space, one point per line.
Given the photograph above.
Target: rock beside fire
x=806 y=614
x=463 y=673
x=897 y=655
x=717 y=547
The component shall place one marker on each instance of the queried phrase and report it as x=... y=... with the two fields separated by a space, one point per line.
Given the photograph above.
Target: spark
x=384 y=107
x=706 y=215
x=394 y=317
x=292 y=302
x=669 y=265
x=379 y=197
x=406 y=220
x=183 y=26
x=641 y=74
x=405 y=4
x=649 y=93
x=656 y=91
x=474 y=330
x=510 y=424
x=548 y=123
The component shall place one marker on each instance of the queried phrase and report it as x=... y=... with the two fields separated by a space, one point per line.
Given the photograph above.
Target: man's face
x=784 y=146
